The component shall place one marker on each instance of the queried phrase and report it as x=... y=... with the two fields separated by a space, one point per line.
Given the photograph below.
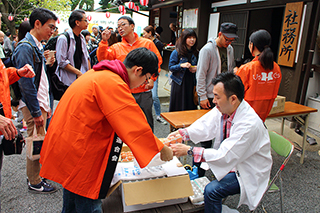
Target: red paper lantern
x=58 y=21
x=89 y=17
x=123 y=12
x=131 y=5
x=121 y=8
x=136 y=8
x=144 y=2
x=108 y=14
x=25 y=19
x=10 y=17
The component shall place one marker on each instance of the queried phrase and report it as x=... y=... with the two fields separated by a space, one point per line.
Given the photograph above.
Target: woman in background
x=183 y=65
x=262 y=76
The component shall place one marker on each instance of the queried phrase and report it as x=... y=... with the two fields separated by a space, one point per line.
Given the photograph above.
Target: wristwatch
x=190 y=151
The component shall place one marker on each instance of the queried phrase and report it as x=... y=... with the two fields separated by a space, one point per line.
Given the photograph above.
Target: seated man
x=241 y=158
x=94 y=116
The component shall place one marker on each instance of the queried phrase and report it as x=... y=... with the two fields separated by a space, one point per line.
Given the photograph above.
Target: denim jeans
x=73 y=203
x=215 y=191
x=155 y=97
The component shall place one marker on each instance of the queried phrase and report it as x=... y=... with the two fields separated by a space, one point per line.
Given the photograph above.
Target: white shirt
x=247 y=150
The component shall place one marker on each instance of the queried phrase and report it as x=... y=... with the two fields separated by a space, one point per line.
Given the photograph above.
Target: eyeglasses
x=122 y=25
x=52 y=27
x=228 y=40
x=85 y=20
x=147 y=79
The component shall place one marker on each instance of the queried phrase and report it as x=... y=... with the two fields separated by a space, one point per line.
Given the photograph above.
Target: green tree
x=21 y=9
x=87 y=5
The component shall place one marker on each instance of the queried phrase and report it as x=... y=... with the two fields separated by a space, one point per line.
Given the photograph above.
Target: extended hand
x=185 y=65
x=26 y=71
x=166 y=153
x=180 y=149
x=105 y=35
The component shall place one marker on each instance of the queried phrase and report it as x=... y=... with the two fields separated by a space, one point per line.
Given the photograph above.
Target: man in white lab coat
x=241 y=157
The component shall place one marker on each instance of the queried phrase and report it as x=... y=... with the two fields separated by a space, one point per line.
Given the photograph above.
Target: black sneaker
x=42 y=187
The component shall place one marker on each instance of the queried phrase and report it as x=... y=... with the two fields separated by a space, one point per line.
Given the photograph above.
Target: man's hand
x=105 y=35
x=205 y=104
x=26 y=71
x=180 y=149
x=175 y=134
x=150 y=84
x=7 y=128
x=166 y=153
x=39 y=121
x=185 y=65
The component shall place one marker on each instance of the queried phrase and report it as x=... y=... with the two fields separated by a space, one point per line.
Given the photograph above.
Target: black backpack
x=57 y=86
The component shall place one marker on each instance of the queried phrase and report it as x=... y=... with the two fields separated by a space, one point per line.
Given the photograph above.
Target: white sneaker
x=159 y=119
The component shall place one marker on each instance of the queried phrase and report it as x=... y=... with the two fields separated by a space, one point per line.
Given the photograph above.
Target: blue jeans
x=215 y=191
x=73 y=203
x=156 y=101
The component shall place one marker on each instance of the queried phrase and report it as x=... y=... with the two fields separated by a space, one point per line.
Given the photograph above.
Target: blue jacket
x=27 y=54
x=174 y=66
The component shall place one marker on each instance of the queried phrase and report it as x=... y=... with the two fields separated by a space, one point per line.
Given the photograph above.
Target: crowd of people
x=112 y=80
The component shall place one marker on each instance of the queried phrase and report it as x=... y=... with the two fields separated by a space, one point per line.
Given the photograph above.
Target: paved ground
x=301 y=182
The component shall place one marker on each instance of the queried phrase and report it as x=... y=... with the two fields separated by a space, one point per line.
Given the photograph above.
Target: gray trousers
x=145 y=101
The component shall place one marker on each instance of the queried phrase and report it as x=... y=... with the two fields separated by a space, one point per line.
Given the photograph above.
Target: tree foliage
x=21 y=9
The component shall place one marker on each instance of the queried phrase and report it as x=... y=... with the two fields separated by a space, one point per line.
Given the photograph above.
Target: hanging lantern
x=144 y=2
x=89 y=17
x=121 y=8
x=123 y=12
x=58 y=21
x=136 y=8
x=25 y=19
x=108 y=14
x=131 y=5
x=10 y=17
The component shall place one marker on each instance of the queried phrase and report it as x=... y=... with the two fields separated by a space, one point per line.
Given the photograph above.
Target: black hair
x=144 y=58
x=261 y=39
x=8 y=33
x=23 y=29
x=232 y=84
x=159 y=30
x=85 y=33
x=130 y=20
x=149 y=29
x=41 y=14
x=181 y=45
x=76 y=15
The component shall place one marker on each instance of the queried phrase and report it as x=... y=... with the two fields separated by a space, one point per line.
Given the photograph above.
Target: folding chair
x=284 y=148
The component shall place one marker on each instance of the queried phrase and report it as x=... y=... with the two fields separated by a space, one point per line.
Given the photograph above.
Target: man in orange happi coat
x=94 y=116
x=131 y=41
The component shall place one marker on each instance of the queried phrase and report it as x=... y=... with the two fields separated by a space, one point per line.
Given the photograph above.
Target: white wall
x=99 y=18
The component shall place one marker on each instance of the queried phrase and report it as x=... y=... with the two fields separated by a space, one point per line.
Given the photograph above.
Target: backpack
x=15 y=92
x=57 y=86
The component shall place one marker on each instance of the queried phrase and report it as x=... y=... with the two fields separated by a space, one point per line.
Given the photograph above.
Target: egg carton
x=198 y=186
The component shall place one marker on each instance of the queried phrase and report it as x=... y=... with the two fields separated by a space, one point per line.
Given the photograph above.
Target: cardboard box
x=155 y=193
x=278 y=105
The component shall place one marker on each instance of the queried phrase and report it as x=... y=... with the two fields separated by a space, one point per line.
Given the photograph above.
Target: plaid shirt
x=198 y=151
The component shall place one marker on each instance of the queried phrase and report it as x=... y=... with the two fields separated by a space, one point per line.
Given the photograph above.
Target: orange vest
x=76 y=149
x=260 y=86
x=121 y=49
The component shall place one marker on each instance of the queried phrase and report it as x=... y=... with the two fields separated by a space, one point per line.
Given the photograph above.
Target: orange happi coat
x=121 y=49
x=260 y=86
x=76 y=149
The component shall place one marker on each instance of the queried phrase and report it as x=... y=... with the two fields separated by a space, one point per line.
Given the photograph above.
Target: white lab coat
x=247 y=150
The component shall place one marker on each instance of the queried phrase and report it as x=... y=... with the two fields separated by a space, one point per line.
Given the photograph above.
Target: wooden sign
x=290 y=33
